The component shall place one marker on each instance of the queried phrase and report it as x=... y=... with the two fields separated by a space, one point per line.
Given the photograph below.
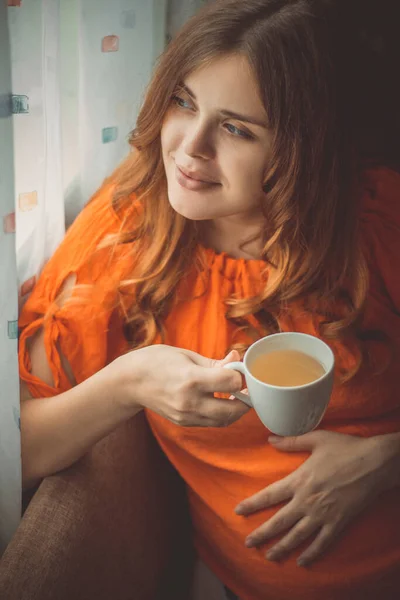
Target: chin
x=190 y=209
x=189 y=213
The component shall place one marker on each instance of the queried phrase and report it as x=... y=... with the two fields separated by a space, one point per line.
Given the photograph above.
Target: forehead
x=227 y=83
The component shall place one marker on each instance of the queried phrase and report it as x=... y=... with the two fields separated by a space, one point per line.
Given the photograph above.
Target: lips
x=194 y=181
x=196 y=175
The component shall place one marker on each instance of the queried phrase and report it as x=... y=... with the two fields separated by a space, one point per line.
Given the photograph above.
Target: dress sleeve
x=381 y=237
x=78 y=326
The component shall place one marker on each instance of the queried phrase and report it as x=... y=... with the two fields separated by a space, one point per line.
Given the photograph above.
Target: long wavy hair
x=315 y=69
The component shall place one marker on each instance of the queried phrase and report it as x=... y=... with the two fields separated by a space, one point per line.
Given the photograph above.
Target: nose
x=198 y=142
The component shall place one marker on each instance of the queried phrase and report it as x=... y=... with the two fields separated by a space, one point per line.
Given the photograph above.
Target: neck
x=238 y=237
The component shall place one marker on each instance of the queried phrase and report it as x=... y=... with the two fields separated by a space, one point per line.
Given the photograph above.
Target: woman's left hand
x=343 y=475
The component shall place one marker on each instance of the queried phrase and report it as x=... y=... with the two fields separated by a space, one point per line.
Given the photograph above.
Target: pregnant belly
x=362 y=564
x=224 y=466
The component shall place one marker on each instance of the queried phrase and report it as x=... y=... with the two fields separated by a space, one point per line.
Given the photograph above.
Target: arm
x=389 y=447
x=177 y=384
x=57 y=431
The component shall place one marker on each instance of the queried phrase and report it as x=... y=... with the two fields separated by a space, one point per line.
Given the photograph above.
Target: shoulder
x=381 y=194
x=380 y=228
x=87 y=253
x=85 y=246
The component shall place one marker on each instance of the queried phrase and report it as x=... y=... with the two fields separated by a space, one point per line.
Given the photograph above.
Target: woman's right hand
x=179 y=385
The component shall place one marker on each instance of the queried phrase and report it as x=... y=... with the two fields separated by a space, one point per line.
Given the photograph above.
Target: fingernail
x=249 y=543
x=274 y=439
x=239 y=510
x=301 y=562
x=271 y=556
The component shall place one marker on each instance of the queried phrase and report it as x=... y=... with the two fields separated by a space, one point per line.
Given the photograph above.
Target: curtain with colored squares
x=72 y=77
x=10 y=497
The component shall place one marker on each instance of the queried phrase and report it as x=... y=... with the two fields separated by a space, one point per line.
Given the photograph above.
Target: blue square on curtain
x=12 y=330
x=109 y=134
x=20 y=104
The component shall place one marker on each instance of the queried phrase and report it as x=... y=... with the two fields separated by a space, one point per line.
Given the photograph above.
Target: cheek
x=170 y=135
x=164 y=137
x=247 y=174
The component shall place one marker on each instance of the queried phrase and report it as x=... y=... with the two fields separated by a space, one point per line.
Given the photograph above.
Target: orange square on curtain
x=27 y=201
x=110 y=43
x=14 y=2
x=9 y=223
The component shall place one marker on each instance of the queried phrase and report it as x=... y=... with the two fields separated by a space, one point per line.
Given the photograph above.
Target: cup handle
x=238 y=366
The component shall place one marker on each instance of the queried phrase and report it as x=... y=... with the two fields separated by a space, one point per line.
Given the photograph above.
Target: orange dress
x=224 y=466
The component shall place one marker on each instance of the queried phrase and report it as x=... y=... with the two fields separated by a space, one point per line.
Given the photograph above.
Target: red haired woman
x=260 y=195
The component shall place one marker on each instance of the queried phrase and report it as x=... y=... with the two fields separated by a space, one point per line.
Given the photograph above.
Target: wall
x=179 y=11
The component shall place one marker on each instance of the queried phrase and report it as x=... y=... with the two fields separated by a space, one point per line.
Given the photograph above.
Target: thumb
x=213 y=377
x=209 y=363
x=232 y=356
x=217 y=379
x=300 y=443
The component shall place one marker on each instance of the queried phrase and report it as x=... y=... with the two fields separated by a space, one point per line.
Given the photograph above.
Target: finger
x=210 y=363
x=303 y=529
x=282 y=521
x=273 y=494
x=301 y=443
x=232 y=356
x=323 y=540
x=220 y=412
x=212 y=377
x=218 y=380
x=212 y=415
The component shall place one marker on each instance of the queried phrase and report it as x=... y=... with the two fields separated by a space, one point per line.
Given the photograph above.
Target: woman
x=248 y=205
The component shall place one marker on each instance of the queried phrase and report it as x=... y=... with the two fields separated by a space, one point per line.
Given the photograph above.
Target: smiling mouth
x=191 y=182
x=195 y=177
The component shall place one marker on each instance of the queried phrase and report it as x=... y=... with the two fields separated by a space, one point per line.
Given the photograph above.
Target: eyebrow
x=228 y=113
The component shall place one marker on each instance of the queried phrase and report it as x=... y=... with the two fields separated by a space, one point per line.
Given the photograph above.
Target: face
x=215 y=142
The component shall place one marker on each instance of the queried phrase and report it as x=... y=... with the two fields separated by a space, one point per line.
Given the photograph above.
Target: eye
x=181 y=102
x=238 y=132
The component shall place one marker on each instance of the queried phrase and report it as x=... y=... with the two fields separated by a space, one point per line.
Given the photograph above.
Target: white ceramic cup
x=288 y=410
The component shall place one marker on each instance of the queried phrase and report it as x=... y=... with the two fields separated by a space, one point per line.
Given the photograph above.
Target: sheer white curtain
x=35 y=59
x=10 y=500
x=73 y=73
